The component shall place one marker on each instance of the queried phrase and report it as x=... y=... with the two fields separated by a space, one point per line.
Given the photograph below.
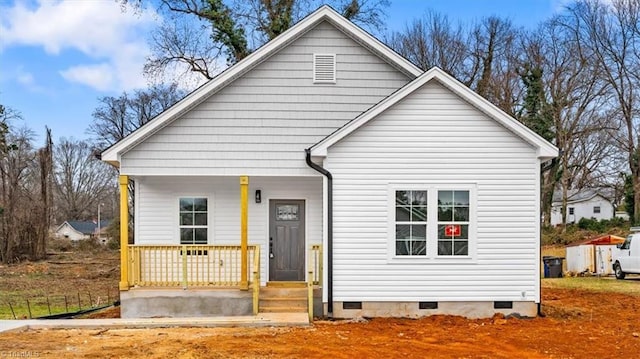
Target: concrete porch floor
x=260 y=320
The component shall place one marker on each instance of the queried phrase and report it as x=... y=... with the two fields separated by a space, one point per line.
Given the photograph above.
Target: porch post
x=244 y=213
x=124 y=232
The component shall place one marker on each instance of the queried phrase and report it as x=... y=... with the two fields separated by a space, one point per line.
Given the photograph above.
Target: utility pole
x=99 y=204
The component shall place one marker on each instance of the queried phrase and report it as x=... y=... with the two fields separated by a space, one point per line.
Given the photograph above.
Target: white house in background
x=586 y=203
x=343 y=168
x=79 y=230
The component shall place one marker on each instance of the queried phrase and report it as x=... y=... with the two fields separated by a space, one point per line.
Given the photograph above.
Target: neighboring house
x=586 y=203
x=78 y=230
x=326 y=159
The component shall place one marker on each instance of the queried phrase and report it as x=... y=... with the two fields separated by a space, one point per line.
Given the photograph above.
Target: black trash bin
x=552 y=266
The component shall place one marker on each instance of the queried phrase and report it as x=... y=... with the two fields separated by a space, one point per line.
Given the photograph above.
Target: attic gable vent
x=324 y=68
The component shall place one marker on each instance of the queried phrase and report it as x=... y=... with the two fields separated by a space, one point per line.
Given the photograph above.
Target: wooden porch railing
x=189 y=265
x=314 y=276
x=315 y=264
x=255 y=281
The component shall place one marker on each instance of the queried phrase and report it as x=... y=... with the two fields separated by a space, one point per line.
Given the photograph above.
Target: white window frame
x=209 y=225
x=598 y=211
x=432 y=223
x=324 y=81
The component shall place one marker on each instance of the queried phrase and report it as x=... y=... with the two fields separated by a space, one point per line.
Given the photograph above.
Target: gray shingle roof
x=88 y=227
x=574 y=195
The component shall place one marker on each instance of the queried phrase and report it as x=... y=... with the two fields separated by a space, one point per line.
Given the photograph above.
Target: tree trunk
x=636 y=198
x=548 y=184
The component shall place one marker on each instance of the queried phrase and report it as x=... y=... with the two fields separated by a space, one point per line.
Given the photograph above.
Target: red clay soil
x=578 y=325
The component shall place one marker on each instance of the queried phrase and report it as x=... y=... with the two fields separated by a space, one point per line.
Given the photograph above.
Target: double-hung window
x=411 y=223
x=194 y=220
x=432 y=221
x=453 y=223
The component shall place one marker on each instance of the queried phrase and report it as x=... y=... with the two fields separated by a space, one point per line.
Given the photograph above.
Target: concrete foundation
x=179 y=303
x=412 y=309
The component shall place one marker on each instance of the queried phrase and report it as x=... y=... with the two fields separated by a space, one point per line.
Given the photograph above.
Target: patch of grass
x=91 y=275
x=595 y=284
x=40 y=305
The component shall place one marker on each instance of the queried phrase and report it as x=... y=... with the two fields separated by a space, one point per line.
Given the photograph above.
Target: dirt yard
x=579 y=324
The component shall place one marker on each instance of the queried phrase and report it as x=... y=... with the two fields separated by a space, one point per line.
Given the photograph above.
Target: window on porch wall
x=193 y=220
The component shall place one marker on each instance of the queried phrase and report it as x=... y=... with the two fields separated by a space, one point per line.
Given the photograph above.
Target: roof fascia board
x=545 y=150
x=113 y=153
x=63 y=223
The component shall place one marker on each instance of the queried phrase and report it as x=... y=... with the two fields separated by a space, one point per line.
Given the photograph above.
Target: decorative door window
x=287 y=212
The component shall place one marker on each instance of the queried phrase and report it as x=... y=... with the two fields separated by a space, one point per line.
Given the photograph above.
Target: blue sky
x=57 y=57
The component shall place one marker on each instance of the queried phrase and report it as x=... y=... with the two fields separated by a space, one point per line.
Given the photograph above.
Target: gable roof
x=545 y=150
x=85 y=227
x=586 y=194
x=324 y=13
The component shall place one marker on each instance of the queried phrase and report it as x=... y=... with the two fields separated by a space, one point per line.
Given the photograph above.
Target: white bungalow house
x=79 y=230
x=325 y=160
x=586 y=203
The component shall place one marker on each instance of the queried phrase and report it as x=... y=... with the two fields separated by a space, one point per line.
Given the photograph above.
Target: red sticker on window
x=452 y=230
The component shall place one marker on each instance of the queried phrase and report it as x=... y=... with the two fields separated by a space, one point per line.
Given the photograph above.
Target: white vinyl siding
x=434 y=137
x=261 y=123
x=157 y=210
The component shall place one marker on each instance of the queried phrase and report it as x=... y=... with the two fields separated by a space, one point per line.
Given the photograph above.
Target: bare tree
x=609 y=33
x=44 y=202
x=180 y=47
x=197 y=32
x=573 y=104
x=82 y=182
x=494 y=56
x=116 y=117
x=484 y=56
x=433 y=41
x=15 y=172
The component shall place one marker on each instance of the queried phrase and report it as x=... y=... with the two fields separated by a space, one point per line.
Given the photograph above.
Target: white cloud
x=110 y=39
x=561 y=5
x=99 y=76
x=26 y=79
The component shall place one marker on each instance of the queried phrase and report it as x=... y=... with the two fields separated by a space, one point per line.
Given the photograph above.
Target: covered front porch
x=210 y=279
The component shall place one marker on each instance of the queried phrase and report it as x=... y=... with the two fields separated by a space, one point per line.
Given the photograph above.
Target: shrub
x=591 y=224
x=60 y=244
x=113 y=244
x=89 y=245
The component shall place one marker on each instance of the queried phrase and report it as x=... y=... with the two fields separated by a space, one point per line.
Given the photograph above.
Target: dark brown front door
x=286 y=240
